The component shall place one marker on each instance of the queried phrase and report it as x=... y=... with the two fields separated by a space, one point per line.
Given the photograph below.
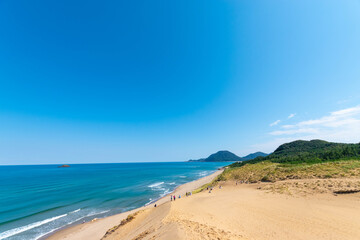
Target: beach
x=238 y=211
x=97 y=228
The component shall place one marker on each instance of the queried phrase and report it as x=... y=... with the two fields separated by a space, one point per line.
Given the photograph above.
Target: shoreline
x=96 y=228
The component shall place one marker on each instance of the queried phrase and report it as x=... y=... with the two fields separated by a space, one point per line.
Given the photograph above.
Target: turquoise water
x=38 y=200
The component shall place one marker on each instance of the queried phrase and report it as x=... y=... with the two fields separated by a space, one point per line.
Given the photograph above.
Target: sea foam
x=55 y=229
x=155 y=185
x=18 y=230
x=203 y=173
x=75 y=211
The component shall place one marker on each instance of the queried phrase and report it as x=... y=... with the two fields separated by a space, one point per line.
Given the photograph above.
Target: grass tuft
x=128 y=219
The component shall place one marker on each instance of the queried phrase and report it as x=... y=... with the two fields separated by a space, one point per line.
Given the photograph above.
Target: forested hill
x=309 y=151
x=226 y=156
x=254 y=155
x=220 y=156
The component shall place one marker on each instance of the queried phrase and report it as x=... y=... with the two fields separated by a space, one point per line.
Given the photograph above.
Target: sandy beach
x=239 y=211
x=96 y=229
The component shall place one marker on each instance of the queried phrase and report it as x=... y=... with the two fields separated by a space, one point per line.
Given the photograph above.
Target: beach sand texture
x=243 y=211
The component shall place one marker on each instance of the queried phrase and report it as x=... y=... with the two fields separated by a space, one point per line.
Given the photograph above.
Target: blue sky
x=123 y=81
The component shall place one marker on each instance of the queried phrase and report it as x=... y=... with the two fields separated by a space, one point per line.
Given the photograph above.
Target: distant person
x=171 y=197
x=179 y=196
x=155 y=205
x=174 y=197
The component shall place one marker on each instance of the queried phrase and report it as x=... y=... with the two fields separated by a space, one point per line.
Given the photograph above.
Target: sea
x=37 y=200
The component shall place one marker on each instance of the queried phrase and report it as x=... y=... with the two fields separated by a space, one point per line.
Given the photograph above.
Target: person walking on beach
x=171 y=197
x=174 y=197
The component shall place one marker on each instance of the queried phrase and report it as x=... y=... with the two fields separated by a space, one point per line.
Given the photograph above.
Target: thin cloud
x=338 y=126
x=291 y=115
x=335 y=119
x=275 y=123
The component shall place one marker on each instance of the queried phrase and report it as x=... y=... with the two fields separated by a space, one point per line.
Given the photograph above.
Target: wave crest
x=156 y=184
x=18 y=230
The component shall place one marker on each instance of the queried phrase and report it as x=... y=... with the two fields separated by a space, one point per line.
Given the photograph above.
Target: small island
x=64 y=166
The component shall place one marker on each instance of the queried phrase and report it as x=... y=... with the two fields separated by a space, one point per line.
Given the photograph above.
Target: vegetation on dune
x=268 y=171
x=128 y=219
x=314 y=151
x=210 y=184
x=203 y=187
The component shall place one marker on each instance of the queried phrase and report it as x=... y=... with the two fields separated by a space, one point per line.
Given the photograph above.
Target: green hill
x=220 y=156
x=254 y=155
x=226 y=156
x=309 y=151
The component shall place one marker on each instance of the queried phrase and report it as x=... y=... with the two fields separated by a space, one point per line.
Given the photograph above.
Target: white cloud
x=275 y=123
x=338 y=126
x=291 y=115
x=347 y=111
x=278 y=121
x=335 y=119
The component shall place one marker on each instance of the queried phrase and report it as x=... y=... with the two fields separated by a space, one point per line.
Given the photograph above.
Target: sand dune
x=245 y=212
x=308 y=209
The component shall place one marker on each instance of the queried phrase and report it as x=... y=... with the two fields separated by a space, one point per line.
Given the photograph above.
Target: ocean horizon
x=37 y=200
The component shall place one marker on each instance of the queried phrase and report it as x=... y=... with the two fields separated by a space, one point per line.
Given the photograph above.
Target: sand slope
x=245 y=212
